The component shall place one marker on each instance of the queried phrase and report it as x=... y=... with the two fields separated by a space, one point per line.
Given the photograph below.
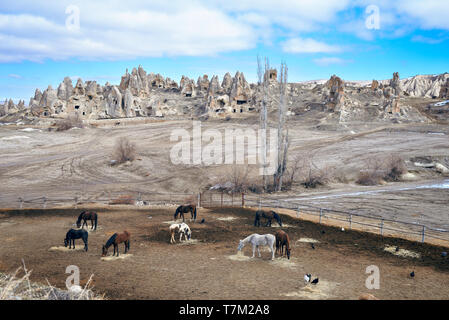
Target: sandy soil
x=76 y=163
x=209 y=267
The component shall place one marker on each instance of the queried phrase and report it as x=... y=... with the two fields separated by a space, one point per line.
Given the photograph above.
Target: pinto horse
x=184 y=209
x=87 y=215
x=73 y=234
x=269 y=215
x=182 y=229
x=115 y=240
x=282 y=240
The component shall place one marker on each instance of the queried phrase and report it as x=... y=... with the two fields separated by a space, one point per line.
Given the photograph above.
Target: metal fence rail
x=349 y=220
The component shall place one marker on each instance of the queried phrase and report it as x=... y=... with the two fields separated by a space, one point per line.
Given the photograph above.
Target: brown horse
x=115 y=240
x=268 y=215
x=282 y=240
x=184 y=209
x=87 y=215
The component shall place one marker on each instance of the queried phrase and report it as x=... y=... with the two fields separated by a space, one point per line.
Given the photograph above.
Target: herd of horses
x=85 y=216
x=280 y=239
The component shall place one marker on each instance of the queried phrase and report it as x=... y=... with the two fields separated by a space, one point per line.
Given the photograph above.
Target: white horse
x=257 y=240
x=182 y=229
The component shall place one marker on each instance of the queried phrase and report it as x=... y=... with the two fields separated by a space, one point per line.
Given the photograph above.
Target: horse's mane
x=248 y=238
x=111 y=240
x=80 y=216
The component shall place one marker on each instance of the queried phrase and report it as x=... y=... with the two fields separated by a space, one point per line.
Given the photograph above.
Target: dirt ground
x=75 y=163
x=209 y=267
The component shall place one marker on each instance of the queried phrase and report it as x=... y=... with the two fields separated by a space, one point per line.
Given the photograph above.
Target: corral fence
x=213 y=199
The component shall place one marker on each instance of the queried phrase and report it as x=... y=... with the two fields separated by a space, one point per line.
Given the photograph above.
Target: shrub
x=124 y=150
x=72 y=121
x=383 y=168
x=395 y=167
x=125 y=199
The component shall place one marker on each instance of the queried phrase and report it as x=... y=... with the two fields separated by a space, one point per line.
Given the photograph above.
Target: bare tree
x=283 y=142
x=263 y=83
x=124 y=150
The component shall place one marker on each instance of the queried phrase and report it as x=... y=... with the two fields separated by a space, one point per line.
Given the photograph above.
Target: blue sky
x=42 y=42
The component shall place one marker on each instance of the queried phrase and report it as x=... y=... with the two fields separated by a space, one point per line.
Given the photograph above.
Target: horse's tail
x=176 y=213
x=194 y=213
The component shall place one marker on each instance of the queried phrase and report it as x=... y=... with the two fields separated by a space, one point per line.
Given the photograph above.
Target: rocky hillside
x=151 y=95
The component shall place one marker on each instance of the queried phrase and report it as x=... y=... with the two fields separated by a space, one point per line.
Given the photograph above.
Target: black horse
x=87 y=215
x=73 y=234
x=270 y=215
x=184 y=209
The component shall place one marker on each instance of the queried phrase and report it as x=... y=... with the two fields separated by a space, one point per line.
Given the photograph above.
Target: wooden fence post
x=243 y=199
x=350 y=222
x=321 y=214
x=76 y=202
x=232 y=197
x=222 y=198
x=45 y=202
x=260 y=203
x=199 y=200
x=382 y=227
x=298 y=213
x=423 y=233
x=20 y=202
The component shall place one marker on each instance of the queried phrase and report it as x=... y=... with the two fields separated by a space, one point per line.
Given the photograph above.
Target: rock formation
x=141 y=95
x=334 y=97
x=444 y=91
x=392 y=95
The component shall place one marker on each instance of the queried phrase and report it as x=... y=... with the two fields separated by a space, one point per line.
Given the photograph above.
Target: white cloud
x=119 y=32
x=14 y=76
x=114 y=29
x=299 y=45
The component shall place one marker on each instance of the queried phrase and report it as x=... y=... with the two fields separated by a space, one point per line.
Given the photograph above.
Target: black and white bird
x=315 y=281
x=307 y=277
x=412 y=274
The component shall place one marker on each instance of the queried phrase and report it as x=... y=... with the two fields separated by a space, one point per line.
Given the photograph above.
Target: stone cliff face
x=138 y=95
x=142 y=95
x=425 y=86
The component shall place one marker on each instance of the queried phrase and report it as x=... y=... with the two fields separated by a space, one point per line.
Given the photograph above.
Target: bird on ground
x=412 y=274
x=202 y=221
x=313 y=246
x=315 y=281
x=397 y=249
x=307 y=277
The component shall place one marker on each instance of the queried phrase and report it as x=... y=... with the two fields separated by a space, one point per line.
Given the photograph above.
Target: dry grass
x=72 y=121
x=385 y=168
x=238 y=179
x=15 y=287
x=307 y=173
x=124 y=151
x=125 y=199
